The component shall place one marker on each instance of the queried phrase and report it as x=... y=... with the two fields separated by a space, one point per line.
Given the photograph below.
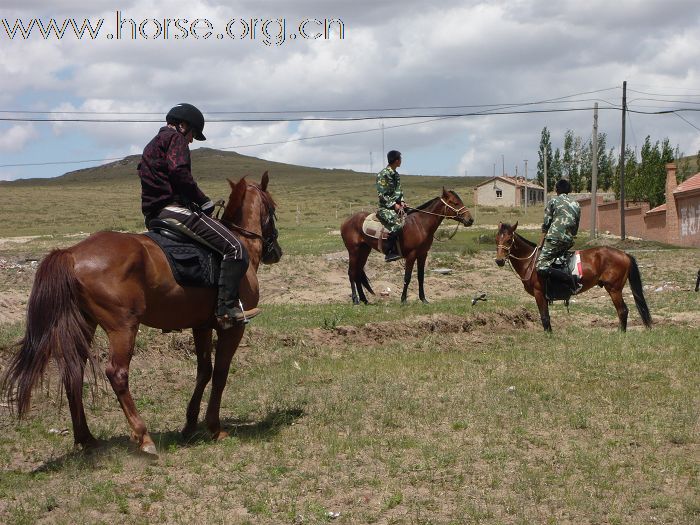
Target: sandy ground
x=322 y=279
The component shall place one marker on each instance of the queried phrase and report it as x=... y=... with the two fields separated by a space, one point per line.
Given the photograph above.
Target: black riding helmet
x=188 y=113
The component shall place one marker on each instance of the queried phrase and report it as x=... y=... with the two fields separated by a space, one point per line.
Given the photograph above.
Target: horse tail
x=635 y=280
x=364 y=281
x=56 y=327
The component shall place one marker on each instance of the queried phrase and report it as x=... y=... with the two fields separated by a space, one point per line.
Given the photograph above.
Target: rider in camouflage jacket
x=390 y=202
x=560 y=226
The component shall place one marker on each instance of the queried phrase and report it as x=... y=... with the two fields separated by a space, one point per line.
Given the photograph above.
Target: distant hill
x=209 y=164
x=108 y=196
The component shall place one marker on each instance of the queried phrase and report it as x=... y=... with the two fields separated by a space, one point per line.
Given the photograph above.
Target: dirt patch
x=417 y=327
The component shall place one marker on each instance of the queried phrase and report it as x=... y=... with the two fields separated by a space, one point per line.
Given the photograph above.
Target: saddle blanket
x=191 y=263
x=570 y=261
x=372 y=227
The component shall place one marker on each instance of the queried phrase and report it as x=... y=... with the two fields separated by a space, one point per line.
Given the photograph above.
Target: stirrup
x=389 y=257
x=227 y=321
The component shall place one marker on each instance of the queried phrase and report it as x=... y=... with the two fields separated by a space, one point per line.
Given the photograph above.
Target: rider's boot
x=392 y=252
x=229 y=309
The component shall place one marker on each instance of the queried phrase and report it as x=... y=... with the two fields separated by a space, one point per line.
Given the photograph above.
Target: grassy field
x=440 y=414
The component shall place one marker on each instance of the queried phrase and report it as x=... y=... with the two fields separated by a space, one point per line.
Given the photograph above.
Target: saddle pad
x=570 y=261
x=373 y=228
x=191 y=264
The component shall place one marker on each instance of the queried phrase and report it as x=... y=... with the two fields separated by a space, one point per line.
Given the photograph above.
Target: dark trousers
x=221 y=238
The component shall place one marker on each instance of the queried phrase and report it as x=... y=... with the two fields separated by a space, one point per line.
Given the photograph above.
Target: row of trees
x=645 y=175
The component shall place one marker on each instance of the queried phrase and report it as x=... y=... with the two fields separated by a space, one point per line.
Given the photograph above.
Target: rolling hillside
x=107 y=196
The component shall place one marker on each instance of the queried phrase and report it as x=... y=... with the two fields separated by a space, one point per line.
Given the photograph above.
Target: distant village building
x=677 y=221
x=508 y=191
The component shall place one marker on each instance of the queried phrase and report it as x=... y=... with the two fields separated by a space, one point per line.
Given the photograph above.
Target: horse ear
x=515 y=226
x=444 y=192
x=263 y=182
x=238 y=190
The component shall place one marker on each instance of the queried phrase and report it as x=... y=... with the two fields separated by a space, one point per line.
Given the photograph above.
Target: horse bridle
x=511 y=256
x=456 y=216
x=268 y=242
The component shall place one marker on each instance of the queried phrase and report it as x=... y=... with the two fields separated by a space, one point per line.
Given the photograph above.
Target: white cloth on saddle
x=372 y=227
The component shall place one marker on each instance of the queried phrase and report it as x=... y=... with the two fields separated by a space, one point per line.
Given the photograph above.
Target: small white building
x=508 y=191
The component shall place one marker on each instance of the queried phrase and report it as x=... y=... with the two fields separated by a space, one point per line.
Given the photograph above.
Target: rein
x=530 y=267
x=444 y=216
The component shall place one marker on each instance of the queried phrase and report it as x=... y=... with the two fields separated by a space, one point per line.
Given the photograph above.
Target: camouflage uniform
x=560 y=226
x=389 y=192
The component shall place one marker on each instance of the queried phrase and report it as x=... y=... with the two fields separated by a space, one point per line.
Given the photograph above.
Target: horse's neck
x=248 y=218
x=434 y=216
x=521 y=249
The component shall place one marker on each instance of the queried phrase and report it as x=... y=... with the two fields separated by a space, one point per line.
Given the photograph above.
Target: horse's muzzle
x=500 y=262
x=467 y=221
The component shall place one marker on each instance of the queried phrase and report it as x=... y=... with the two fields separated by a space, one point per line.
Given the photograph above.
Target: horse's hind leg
x=121 y=349
x=620 y=306
x=202 y=345
x=226 y=345
x=74 y=393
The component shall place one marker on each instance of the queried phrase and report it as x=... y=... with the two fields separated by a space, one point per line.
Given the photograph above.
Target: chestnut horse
x=607 y=267
x=119 y=281
x=415 y=240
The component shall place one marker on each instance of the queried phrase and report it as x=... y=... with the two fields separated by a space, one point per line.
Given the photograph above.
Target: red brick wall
x=656 y=227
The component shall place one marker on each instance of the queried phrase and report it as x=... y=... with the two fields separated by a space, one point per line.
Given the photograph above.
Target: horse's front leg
x=543 y=307
x=228 y=341
x=410 y=260
x=121 y=349
x=202 y=345
x=421 y=275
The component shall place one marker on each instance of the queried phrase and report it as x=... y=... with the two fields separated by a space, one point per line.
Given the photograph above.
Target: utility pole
x=526 y=189
x=594 y=173
x=383 y=150
x=503 y=163
x=494 y=169
x=370 y=163
x=622 y=162
x=545 y=177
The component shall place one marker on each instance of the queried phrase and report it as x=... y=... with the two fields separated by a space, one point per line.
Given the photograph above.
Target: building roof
x=518 y=182
x=691 y=184
x=658 y=209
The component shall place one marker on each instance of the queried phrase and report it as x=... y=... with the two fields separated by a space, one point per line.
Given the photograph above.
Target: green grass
x=386 y=413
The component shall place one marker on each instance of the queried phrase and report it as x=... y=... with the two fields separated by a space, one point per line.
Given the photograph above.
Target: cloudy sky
x=404 y=58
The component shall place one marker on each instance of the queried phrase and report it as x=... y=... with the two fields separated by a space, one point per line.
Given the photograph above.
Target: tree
x=630 y=172
x=567 y=160
x=545 y=149
x=555 y=173
x=647 y=181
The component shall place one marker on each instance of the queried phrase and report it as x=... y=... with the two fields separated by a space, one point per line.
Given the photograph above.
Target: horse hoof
x=220 y=435
x=150 y=449
x=189 y=431
x=424 y=301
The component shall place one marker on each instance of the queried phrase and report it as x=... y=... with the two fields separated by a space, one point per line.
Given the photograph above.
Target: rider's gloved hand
x=207 y=208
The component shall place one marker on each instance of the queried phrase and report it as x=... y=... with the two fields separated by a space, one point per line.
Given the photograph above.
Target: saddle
x=556 y=290
x=192 y=260
x=372 y=227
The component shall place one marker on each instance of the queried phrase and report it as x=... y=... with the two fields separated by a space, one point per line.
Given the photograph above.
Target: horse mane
x=422 y=206
x=267 y=198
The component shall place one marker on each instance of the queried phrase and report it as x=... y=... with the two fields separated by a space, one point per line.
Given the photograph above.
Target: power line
x=687 y=121
x=315 y=111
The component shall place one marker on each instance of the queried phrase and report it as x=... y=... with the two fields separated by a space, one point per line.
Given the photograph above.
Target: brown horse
x=119 y=281
x=415 y=240
x=607 y=267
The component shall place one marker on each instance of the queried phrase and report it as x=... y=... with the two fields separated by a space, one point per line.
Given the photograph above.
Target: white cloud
x=395 y=54
x=16 y=137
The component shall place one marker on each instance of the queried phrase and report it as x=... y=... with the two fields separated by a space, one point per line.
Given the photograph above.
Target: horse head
x=505 y=237
x=251 y=211
x=454 y=203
